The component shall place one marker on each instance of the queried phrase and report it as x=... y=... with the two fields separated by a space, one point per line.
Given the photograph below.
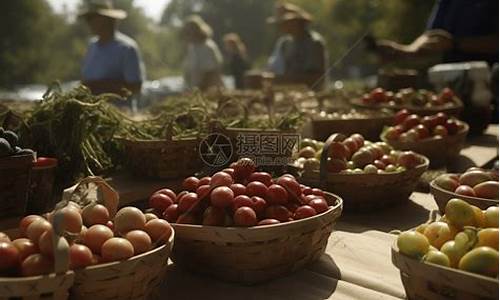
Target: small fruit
x=336 y=165
x=491 y=215
x=276 y=194
x=440 y=130
x=307 y=152
x=409 y=160
x=437 y=257
x=459 y=212
x=482 y=260
x=338 y=150
x=222 y=196
x=413 y=244
x=304 y=211
x=446 y=182
x=438 y=233
x=116 y=249
x=362 y=157
x=245 y=216
x=487 y=189
x=129 y=218
x=474 y=178
x=465 y=190
x=488 y=237
x=454 y=252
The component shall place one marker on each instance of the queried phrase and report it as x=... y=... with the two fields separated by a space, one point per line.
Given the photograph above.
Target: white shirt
x=200 y=59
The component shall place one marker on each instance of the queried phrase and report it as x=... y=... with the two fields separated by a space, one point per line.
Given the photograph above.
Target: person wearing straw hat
x=299 y=56
x=113 y=61
x=203 y=61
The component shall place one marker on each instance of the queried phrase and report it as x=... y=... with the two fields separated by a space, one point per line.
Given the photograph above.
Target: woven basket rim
x=378 y=118
x=132 y=259
x=14 y=279
x=395 y=252
x=430 y=140
x=435 y=187
x=242 y=230
x=457 y=104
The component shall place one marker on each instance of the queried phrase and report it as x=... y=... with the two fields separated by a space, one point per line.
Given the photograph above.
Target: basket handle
x=323 y=173
x=60 y=245
x=105 y=194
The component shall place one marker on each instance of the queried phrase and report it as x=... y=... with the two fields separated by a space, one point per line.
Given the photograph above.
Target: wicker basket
x=440 y=151
x=40 y=199
x=370 y=127
x=454 y=109
x=423 y=281
x=254 y=254
x=135 y=278
x=363 y=192
x=442 y=196
x=164 y=159
x=15 y=172
x=53 y=286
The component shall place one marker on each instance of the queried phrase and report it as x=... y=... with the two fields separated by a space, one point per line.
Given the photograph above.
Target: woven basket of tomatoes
x=366 y=175
x=476 y=186
x=33 y=263
x=246 y=227
x=421 y=102
x=455 y=257
x=438 y=137
x=115 y=254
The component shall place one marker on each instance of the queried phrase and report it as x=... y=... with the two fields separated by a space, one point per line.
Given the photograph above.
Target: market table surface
x=356 y=265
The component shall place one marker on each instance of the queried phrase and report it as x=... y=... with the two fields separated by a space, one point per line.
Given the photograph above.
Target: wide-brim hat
x=103 y=8
x=288 y=11
x=199 y=24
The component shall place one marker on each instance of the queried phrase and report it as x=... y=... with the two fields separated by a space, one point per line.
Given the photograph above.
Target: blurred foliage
x=39 y=46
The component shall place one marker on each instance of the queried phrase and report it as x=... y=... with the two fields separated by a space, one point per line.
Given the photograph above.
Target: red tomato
x=25 y=247
x=336 y=165
x=351 y=144
x=96 y=236
x=229 y=171
x=169 y=192
x=180 y=195
x=9 y=256
x=441 y=118
x=204 y=181
x=98 y=214
x=242 y=200
x=422 y=131
x=359 y=139
x=159 y=202
x=256 y=188
x=304 y=211
x=203 y=190
x=268 y=222
x=429 y=122
x=400 y=116
x=214 y=216
x=338 y=150
x=243 y=168
x=379 y=164
x=307 y=191
x=45 y=162
x=378 y=95
x=140 y=240
x=171 y=213
x=158 y=230
x=308 y=198
x=451 y=126
x=221 y=179
x=263 y=177
x=37 y=264
x=276 y=194
x=238 y=189
x=411 y=121
x=245 y=216
x=465 y=190
x=188 y=202
x=447 y=94
x=319 y=205
x=259 y=205
x=221 y=197
x=45 y=243
x=36 y=229
x=318 y=192
x=291 y=186
x=292 y=207
x=388 y=160
x=409 y=160
x=116 y=249
x=278 y=212
x=80 y=256
x=26 y=221
x=190 y=183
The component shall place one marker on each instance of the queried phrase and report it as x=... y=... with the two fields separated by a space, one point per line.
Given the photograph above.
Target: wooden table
x=356 y=265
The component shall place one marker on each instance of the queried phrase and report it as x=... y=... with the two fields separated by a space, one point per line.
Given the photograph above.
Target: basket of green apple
x=455 y=257
x=476 y=186
x=438 y=137
x=244 y=226
x=366 y=175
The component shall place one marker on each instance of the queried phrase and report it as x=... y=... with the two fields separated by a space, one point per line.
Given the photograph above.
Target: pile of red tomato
x=239 y=196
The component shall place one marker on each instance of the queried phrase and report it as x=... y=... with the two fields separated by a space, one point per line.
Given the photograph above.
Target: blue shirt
x=466 y=18
x=118 y=59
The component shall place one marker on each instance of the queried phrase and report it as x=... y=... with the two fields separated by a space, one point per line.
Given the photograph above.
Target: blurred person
x=460 y=30
x=113 y=61
x=203 y=61
x=237 y=59
x=299 y=56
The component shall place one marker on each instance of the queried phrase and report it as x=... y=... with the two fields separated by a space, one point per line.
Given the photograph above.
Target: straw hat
x=200 y=25
x=287 y=12
x=102 y=8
